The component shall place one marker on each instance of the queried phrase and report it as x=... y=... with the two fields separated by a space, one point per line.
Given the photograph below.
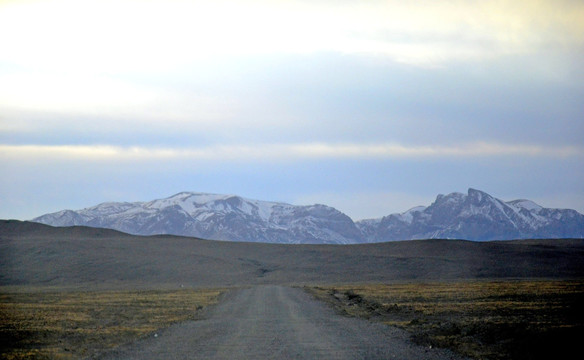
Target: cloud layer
x=286 y=100
x=283 y=152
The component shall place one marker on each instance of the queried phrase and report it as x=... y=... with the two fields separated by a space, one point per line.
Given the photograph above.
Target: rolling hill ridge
x=34 y=254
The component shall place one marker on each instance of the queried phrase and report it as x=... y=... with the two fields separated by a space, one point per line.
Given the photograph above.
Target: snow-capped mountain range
x=218 y=217
x=476 y=216
x=472 y=216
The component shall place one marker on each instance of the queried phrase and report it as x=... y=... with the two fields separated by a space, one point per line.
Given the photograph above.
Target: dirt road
x=273 y=322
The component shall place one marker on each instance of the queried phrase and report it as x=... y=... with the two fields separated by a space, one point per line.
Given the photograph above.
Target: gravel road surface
x=274 y=322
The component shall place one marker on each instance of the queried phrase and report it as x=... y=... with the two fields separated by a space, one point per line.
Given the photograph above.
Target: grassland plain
x=513 y=319
x=71 y=292
x=52 y=324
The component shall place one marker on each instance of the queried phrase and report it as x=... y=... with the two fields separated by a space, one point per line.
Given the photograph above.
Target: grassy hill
x=39 y=255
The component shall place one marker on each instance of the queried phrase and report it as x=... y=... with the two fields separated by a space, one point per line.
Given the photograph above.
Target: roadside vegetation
x=76 y=324
x=479 y=319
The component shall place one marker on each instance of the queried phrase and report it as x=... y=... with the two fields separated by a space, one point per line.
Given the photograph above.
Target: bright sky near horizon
x=372 y=107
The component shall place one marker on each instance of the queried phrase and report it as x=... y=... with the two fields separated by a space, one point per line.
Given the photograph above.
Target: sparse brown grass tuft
x=479 y=319
x=66 y=325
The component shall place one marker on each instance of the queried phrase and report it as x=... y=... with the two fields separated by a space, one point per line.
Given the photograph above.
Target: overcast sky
x=372 y=107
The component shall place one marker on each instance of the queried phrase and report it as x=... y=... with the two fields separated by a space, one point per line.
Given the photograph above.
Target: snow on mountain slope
x=220 y=217
x=477 y=216
x=472 y=216
x=525 y=204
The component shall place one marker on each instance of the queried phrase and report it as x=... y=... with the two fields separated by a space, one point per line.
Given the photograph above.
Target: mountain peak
x=200 y=196
x=476 y=216
x=472 y=216
x=476 y=192
x=220 y=217
x=451 y=196
x=478 y=196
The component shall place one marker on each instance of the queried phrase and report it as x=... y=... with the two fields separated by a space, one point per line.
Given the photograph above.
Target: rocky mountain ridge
x=476 y=216
x=218 y=217
x=472 y=216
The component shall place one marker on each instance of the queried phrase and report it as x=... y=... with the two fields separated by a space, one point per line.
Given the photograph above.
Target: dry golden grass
x=479 y=319
x=66 y=325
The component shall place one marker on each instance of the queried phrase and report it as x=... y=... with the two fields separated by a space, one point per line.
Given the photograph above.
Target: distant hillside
x=38 y=255
x=473 y=216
